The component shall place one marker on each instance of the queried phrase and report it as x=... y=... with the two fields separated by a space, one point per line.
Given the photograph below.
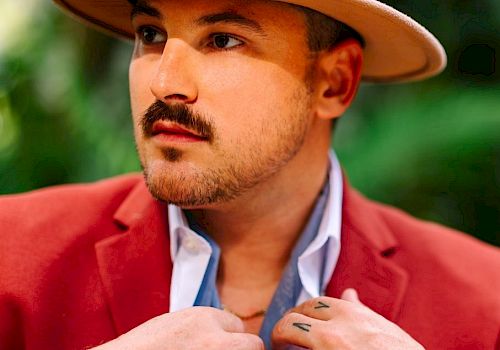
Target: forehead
x=256 y=13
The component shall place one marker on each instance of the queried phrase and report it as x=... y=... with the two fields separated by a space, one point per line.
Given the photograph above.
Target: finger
x=350 y=294
x=322 y=308
x=245 y=341
x=228 y=321
x=296 y=329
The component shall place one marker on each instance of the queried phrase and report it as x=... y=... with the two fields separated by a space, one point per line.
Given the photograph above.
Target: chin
x=186 y=187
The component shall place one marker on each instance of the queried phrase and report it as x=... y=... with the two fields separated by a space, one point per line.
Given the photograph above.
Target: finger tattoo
x=322 y=305
x=303 y=326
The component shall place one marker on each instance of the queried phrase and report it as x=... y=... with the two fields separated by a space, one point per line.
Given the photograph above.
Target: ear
x=338 y=78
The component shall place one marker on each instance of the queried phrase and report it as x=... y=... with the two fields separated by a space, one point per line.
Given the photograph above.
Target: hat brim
x=397 y=48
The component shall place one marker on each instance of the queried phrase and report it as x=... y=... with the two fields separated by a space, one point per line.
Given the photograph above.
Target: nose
x=174 y=79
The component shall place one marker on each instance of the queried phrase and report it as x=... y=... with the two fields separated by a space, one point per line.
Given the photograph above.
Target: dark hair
x=323 y=32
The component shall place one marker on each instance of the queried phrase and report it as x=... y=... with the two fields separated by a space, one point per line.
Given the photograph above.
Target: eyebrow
x=141 y=7
x=230 y=17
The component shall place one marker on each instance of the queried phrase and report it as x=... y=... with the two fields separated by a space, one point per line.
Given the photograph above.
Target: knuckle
x=228 y=321
x=233 y=320
x=278 y=330
x=257 y=344
x=319 y=303
x=327 y=300
x=309 y=304
x=239 y=326
x=321 y=299
x=290 y=318
x=286 y=322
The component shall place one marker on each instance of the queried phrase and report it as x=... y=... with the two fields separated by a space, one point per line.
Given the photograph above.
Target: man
x=244 y=225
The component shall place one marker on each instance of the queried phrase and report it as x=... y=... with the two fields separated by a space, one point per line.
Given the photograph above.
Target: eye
x=224 y=41
x=149 y=35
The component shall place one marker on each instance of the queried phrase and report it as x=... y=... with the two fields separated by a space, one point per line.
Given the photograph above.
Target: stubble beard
x=201 y=187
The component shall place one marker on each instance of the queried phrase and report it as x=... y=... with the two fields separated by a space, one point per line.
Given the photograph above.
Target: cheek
x=250 y=93
x=140 y=97
x=140 y=72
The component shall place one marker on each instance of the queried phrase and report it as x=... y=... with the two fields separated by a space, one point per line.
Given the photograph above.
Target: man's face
x=224 y=104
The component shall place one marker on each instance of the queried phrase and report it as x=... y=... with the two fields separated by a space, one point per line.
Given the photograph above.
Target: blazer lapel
x=135 y=266
x=367 y=246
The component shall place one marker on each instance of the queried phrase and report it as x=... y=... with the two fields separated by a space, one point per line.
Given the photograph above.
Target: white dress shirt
x=190 y=252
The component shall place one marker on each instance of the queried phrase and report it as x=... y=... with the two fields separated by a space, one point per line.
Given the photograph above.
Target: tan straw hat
x=397 y=48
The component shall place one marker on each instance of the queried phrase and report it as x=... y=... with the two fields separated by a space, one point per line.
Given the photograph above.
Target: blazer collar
x=366 y=258
x=135 y=265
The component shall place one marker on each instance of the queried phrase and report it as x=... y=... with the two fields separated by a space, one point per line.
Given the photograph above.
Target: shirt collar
x=177 y=223
x=325 y=248
x=328 y=234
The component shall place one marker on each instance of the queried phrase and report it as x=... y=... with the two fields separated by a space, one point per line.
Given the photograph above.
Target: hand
x=194 y=328
x=327 y=323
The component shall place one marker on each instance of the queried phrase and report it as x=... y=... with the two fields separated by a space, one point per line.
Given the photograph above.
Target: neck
x=257 y=232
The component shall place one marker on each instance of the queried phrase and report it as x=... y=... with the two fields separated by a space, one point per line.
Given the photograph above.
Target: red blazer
x=82 y=264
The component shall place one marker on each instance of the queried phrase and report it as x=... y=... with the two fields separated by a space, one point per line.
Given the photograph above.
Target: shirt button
x=191 y=244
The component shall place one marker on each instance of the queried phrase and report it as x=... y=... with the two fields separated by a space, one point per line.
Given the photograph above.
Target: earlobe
x=339 y=80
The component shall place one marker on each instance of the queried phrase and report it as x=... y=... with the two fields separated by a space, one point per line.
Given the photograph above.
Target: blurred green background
x=431 y=148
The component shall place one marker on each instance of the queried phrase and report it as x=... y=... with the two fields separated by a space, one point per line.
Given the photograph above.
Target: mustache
x=180 y=114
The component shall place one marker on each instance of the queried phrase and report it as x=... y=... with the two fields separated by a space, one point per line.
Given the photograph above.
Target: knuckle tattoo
x=321 y=305
x=306 y=327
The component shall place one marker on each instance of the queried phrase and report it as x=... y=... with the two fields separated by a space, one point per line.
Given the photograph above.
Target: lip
x=171 y=132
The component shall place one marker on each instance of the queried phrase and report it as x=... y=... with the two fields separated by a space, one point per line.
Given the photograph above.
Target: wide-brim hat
x=397 y=48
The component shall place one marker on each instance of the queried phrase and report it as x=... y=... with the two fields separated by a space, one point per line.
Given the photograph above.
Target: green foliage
x=431 y=148
x=436 y=155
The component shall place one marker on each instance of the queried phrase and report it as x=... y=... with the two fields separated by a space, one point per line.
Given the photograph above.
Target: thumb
x=350 y=294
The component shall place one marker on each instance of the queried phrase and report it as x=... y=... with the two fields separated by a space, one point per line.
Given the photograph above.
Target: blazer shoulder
x=433 y=239
x=62 y=199
x=421 y=236
x=446 y=262
x=61 y=212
